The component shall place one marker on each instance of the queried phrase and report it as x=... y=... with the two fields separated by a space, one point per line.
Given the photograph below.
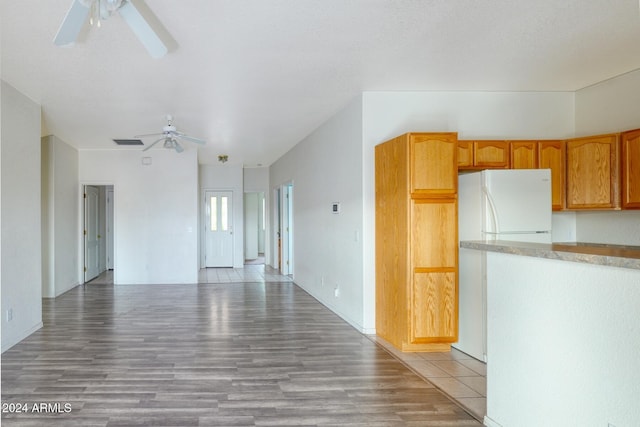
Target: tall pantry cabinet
x=416 y=241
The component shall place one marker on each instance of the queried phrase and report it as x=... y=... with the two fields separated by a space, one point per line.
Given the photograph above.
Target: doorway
x=254 y=228
x=98 y=230
x=283 y=198
x=218 y=226
x=110 y=234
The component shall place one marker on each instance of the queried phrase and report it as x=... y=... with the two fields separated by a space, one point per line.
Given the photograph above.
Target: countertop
x=589 y=253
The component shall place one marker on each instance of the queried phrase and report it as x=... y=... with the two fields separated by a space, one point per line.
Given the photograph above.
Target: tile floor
x=457 y=374
x=460 y=376
x=250 y=273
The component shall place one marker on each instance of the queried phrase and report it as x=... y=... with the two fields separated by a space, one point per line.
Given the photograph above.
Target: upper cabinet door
x=465 y=154
x=551 y=155
x=631 y=169
x=523 y=155
x=491 y=154
x=592 y=172
x=434 y=159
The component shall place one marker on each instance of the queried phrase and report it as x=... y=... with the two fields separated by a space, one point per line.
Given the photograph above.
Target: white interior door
x=110 y=239
x=287 y=230
x=277 y=238
x=218 y=229
x=262 y=223
x=91 y=232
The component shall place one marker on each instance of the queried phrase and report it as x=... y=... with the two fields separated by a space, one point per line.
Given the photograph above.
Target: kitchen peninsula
x=563 y=333
x=590 y=253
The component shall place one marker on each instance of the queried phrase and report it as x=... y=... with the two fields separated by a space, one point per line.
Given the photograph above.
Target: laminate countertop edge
x=588 y=253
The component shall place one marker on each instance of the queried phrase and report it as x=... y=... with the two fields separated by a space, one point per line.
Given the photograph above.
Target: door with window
x=218 y=229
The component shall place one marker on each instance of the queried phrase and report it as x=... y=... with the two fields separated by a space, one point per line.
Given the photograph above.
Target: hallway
x=250 y=273
x=262 y=353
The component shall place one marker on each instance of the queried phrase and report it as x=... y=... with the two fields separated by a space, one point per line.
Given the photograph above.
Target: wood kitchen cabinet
x=491 y=154
x=551 y=155
x=523 y=154
x=483 y=154
x=630 y=153
x=593 y=178
x=465 y=154
x=416 y=241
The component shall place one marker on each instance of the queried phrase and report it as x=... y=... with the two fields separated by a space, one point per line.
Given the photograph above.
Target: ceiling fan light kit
x=171 y=137
x=101 y=9
x=144 y=24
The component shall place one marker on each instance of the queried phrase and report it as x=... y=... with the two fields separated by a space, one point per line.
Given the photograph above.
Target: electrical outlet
x=336 y=291
x=10 y=315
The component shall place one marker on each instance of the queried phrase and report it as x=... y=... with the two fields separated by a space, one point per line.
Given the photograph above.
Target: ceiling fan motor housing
x=106 y=8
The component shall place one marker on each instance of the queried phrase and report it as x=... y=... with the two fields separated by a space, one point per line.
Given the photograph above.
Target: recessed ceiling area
x=254 y=77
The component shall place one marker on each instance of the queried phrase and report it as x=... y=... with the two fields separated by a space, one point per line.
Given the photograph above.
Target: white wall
x=60 y=217
x=610 y=106
x=563 y=227
x=326 y=167
x=563 y=343
x=225 y=178
x=616 y=228
x=20 y=206
x=256 y=180
x=155 y=210
x=482 y=115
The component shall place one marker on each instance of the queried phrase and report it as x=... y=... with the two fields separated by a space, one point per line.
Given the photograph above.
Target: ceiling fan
x=135 y=13
x=170 y=136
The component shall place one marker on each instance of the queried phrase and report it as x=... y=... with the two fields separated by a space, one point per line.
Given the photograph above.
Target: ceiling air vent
x=128 y=141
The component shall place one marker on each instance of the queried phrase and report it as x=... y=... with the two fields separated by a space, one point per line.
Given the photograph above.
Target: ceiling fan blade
x=154 y=143
x=147 y=28
x=178 y=147
x=72 y=24
x=190 y=138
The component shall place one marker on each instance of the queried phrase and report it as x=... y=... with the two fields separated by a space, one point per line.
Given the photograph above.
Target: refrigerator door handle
x=492 y=207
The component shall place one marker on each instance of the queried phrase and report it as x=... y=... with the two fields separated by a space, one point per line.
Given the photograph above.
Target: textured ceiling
x=254 y=77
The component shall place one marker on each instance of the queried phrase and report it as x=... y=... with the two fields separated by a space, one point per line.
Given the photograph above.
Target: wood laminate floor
x=228 y=354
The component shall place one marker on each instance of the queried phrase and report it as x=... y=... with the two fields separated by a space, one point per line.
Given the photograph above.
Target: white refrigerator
x=495 y=205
